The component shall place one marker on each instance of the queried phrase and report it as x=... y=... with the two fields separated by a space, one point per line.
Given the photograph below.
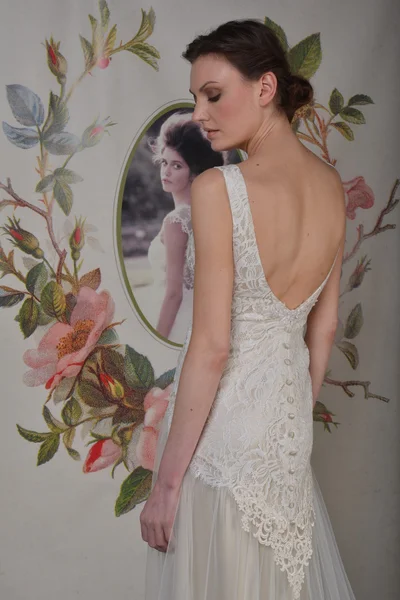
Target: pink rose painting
x=97 y=391
x=359 y=195
x=64 y=348
x=102 y=454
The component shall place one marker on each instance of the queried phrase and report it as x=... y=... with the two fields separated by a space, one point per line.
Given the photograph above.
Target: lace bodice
x=258 y=436
x=157 y=254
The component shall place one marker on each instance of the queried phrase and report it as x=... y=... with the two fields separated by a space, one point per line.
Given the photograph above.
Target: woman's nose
x=199 y=114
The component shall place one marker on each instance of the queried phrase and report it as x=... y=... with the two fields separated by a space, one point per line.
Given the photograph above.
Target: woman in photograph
x=183 y=151
x=235 y=511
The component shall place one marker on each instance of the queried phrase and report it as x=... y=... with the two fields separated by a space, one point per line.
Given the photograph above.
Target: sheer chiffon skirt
x=211 y=557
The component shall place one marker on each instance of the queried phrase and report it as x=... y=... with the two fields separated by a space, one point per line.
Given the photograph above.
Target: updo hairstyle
x=186 y=137
x=254 y=49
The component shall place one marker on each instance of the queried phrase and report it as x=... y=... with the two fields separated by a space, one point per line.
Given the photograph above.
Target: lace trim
x=188 y=271
x=181 y=214
x=291 y=540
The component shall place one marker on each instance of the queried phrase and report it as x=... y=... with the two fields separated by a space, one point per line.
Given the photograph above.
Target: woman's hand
x=157 y=516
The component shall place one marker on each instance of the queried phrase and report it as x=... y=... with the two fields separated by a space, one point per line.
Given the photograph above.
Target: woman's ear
x=268 y=85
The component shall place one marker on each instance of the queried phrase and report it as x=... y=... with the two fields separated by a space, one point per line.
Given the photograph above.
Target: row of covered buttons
x=291 y=415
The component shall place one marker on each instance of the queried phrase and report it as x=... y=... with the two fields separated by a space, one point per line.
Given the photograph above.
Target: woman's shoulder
x=181 y=215
x=179 y=211
x=211 y=182
x=321 y=168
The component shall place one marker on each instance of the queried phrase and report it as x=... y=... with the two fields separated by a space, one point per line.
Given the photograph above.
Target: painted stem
x=19 y=202
x=67 y=160
x=96 y=419
x=50 y=267
x=76 y=272
x=323 y=127
x=392 y=202
x=305 y=137
x=76 y=83
x=315 y=141
x=345 y=385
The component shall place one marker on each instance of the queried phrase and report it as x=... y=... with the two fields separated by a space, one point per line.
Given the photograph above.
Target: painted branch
x=345 y=385
x=378 y=228
x=19 y=202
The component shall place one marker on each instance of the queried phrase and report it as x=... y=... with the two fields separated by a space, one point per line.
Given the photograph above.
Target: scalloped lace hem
x=270 y=529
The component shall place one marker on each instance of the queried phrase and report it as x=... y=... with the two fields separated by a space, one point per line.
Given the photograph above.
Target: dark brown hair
x=254 y=49
x=186 y=137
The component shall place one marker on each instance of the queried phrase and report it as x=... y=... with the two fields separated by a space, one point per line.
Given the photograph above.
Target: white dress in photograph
x=251 y=523
x=151 y=306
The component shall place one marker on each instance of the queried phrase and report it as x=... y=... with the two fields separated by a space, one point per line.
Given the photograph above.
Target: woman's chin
x=221 y=145
x=215 y=145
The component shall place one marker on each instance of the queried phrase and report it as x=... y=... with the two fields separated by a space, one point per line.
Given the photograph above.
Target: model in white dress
x=151 y=305
x=251 y=523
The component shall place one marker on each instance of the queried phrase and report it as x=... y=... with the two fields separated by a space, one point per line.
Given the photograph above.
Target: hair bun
x=300 y=92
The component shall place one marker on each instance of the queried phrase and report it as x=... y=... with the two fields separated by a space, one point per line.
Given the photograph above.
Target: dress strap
x=234 y=188
x=182 y=215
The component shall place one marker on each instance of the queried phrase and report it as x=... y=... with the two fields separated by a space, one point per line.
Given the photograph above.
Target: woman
x=235 y=511
x=182 y=151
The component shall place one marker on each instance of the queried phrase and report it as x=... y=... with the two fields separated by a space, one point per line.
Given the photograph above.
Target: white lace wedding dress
x=251 y=523
x=155 y=295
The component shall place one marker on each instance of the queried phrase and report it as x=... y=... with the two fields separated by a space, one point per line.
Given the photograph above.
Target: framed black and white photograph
x=156 y=217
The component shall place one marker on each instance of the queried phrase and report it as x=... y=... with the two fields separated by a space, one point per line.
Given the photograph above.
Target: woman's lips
x=211 y=133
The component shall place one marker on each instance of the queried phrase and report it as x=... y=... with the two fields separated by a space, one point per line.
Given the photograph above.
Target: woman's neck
x=272 y=135
x=182 y=197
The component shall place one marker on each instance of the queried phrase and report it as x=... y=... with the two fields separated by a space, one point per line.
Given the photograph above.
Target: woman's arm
x=175 y=241
x=209 y=344
x=321 y=326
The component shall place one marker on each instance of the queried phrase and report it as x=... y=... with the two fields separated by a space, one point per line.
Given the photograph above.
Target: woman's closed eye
x=214 y=98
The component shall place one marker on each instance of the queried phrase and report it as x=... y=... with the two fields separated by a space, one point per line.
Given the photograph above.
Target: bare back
x=299 y=220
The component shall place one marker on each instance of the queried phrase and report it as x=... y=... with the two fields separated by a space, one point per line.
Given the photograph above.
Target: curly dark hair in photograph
x=186 y=137
x=254 y=49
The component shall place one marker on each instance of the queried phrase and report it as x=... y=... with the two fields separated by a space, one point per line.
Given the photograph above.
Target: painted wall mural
x=93 y=382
